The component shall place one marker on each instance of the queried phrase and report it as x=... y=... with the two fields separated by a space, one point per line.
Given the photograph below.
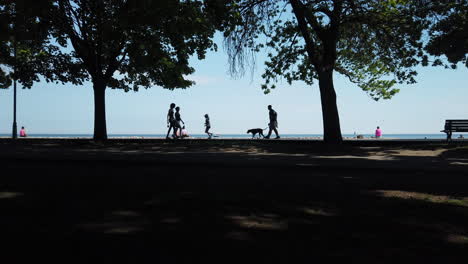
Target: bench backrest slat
x=457 y=125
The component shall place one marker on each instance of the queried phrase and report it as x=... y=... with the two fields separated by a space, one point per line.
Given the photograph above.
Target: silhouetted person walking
x=273 y=125
x=208 y=126
x=178 y=122
x=171 y=121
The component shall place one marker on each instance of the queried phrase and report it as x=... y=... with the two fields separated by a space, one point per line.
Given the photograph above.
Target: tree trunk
x=100 y=130
x=331 y=119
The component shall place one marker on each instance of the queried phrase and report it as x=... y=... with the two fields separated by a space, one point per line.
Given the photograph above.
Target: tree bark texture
x=331 y=118
x=100 y=129
x=323 y=62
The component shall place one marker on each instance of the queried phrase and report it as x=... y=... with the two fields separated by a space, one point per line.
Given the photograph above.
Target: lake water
x=389 y=136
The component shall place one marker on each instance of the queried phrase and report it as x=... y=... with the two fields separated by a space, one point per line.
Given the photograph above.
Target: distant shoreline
x=440 y=136
x=137 y=138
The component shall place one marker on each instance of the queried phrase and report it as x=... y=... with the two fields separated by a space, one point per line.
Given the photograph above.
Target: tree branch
x=80 y=46
x=311 y=47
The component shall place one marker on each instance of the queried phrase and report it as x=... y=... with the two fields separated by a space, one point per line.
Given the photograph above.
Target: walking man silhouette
x=171 y=121
x=273 y=125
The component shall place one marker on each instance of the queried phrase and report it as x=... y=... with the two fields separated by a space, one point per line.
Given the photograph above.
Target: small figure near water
x=461 y=137
x=208 y=126
x=23 y=132
x=273 y=125
x=171 y=121
x=378 y=133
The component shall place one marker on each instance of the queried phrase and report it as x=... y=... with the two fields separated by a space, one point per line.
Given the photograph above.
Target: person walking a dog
x=273 y=125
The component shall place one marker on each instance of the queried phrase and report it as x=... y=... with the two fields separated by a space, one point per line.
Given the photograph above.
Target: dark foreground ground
x=231 y=202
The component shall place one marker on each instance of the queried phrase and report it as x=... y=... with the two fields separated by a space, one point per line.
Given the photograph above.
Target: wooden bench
x=458 y=125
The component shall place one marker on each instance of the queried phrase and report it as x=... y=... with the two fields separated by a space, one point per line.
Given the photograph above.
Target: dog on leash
x=256 y=131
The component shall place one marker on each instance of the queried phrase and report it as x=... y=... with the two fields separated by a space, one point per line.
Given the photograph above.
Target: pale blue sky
x=237 y=105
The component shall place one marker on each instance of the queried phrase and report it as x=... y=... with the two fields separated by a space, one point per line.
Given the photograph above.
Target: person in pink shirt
x=22 y=132
x=378 y=132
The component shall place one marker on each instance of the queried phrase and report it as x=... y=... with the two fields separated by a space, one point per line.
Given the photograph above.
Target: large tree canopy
x=125 y=44
x=24 y=29
x=448 y=32
x=130 y=44
x=376 y=44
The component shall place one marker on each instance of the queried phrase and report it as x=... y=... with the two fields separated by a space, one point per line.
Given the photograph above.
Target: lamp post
x=15 y=129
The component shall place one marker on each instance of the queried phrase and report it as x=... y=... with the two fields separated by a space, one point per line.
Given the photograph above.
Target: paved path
x=408 y=155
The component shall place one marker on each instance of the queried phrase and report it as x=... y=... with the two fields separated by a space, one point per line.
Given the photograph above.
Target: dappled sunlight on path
x=146 y=202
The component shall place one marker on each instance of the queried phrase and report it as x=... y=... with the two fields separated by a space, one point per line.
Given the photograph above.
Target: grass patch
x=438 y=199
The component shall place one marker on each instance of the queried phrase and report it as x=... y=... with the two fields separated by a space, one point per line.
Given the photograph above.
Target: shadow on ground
x=117 y=211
